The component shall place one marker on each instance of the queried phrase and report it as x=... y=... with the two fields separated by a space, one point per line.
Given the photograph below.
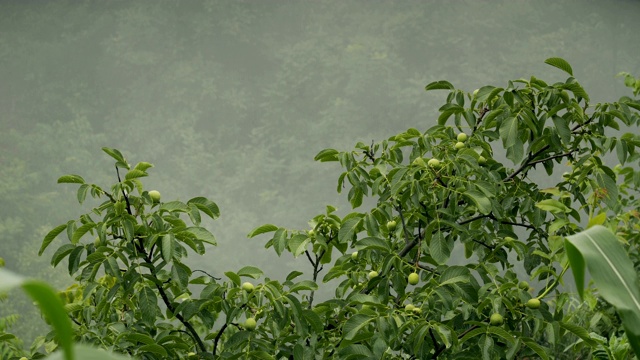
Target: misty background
x=231 y=100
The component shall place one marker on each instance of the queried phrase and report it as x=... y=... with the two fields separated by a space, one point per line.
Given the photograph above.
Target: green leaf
x=439 y=85
x=482 y=202
x=440 y=248
x=71 y=179
x=134 y=174
x=175 y=206
x=168 y=247
x=250 y=271
x=79 y=233
x=234 y=277
x=114 y=153
x=143 y=166
x=560 y=63
x=304 y=285
x=50 y=237
x=202 y=234
x=154 y=348
x=348 y=229
x=61 y=253
x=298 y=244
x=354 y=325
x=206 y=206
x=580 y=332
x=553 y=206
x=327 y=155
x=541 y=351
x=373 y=243
x=611 y=270
x=82 y=193
x=263 y=229
x=509 y=131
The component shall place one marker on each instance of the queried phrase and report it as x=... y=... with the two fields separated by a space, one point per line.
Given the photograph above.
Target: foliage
x=134 y=293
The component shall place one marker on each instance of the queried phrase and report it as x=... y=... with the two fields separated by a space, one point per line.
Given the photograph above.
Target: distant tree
x=437 y=191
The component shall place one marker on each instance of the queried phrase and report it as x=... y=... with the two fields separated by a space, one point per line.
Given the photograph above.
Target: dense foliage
x=397 y=294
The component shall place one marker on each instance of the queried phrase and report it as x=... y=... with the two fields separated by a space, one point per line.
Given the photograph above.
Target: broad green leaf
x=167 y=247
x=71 y=179
x=79 y=233
x=541 y=351
x=354 y=325
x=234 y=277
x=154 y=348
x=304 y=285
x=263 y=229
x=482 y=202
x=134 y=174
x=439 y=85
x=202 y=234
x=373 y=243
x=175 y=206
x=577 y=90
x=509 y=131
x=440 y=248
x=611 y=270
x=507 y=336
x=597 y=220
x=250 y=271
x=298 y=244
x=561 y=64
x=562 y=128
x=50 y=237
x=88 y=352
x=82 y=193
x=206 y=206
x=61 y=253
x=348 y=229
x=143 y=166
x=327 y=155
x=553 y=206
x=580 y=332
x=114 y=153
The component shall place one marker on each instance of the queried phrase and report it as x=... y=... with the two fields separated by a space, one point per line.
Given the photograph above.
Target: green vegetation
x=134 y=293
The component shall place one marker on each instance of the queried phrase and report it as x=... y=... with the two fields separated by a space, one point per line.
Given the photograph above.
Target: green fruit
x=475 y=92
x=482 y=160
x=354 y=255
x=311 y=233
x=391 y=225
x=154 y=195
x=496 y=319
x=248 y=287
x=97 y=242
x=417 y=310
x=533 y=303
x=462 y=137
x=373 y=274
x=409 y=307
x=459 y=145
x=413 y=278
x=523 y=285
x=250 y=324
x=434 y=163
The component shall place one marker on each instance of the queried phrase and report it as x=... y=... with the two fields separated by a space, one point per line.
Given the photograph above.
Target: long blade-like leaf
x=611 y=270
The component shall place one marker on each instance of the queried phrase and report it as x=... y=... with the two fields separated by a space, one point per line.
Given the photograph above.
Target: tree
x=135 y=294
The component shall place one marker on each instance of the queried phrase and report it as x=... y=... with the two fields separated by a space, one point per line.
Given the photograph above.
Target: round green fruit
x=391 y=225
x=154 y=195
x=459 y=145
x=373 y=274
x=413 y=278
x=419 y=161
x=250 y=324
x=462 y=137
x=533 y=303
x=434 y=163
x=354 y=255
x=417 y=310
x=409 y=307
x=523 y=285
x=482 y=160
x=496 y=319
x=248 y=287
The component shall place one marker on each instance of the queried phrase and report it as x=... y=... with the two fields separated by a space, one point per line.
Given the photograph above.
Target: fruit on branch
x=155 y=196
x=250 y=324
x=523 y=285
x=434 y=163
x=462 y=137
x=459 y=145
x=482 y=160
x=354 y=255
x=533 y=303
x=248 y=287
x=391 y=225
x=496 y=319
x=373 y=274
x=409 y=307
x=413 y=278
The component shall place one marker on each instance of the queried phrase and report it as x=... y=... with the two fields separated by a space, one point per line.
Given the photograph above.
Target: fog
x=231 y=100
